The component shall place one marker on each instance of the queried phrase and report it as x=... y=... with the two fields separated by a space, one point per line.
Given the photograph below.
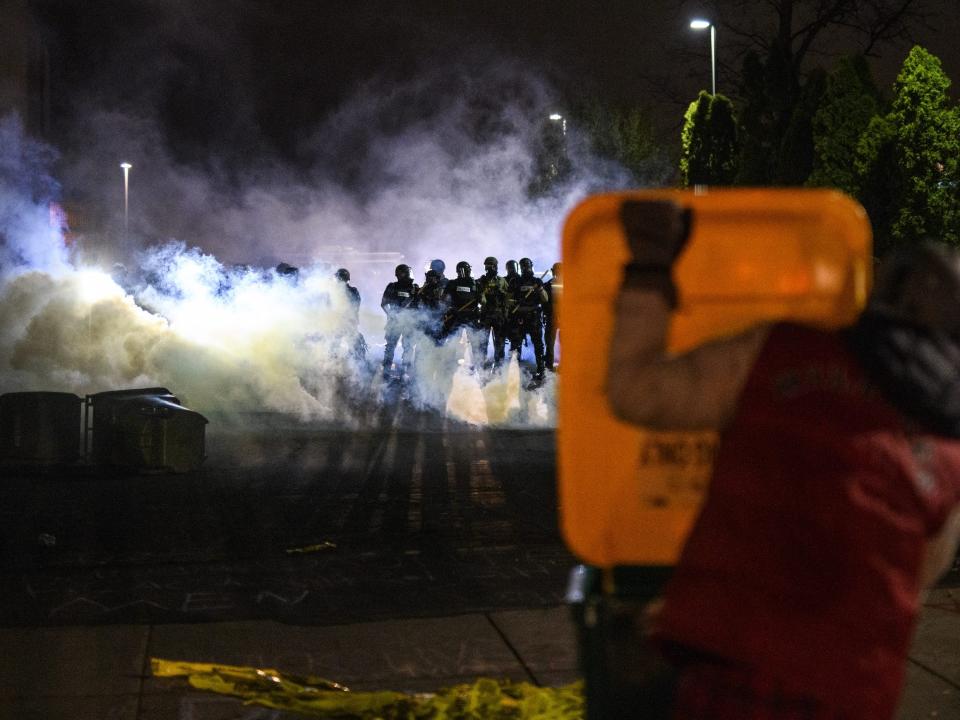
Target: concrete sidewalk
x=102 y=672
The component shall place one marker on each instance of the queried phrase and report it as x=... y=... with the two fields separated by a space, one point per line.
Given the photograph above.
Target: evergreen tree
x=849 y=102
x=797 y=152
x=877 y=180
x=625 y=135
x=709 y=147
x=926 y=151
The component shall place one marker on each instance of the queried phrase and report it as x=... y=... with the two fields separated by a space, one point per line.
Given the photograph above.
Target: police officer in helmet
x=397 y=303
x=355 y=337
x=554 y=289
x=528 y=298
x=493 y=308
x=438 y=266
x=461 y=300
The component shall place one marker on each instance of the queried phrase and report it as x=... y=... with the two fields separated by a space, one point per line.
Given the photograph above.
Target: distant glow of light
x=700 y=24
x=96 y=285
x=556 y=116
x=126 y=165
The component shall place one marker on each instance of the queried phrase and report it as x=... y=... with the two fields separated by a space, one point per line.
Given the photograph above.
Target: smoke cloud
x=444 y=166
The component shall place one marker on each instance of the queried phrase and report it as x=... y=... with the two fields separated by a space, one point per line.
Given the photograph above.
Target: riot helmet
x=432 y=278
x=511 y=267
x=526 y=266
x=463 y=269
x=490 y=265
x=402 y=272
x=555 y=270
x=287 y=269
x=343 y=275
x=438 y=266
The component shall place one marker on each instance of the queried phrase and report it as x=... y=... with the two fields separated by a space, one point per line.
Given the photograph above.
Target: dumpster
x=145 y=429
x=40 y=427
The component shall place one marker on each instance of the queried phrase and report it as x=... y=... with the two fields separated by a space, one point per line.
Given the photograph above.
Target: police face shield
x=490 y=266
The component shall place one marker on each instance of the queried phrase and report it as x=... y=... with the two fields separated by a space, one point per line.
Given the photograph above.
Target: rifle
x=517 y=307
x=446 y=322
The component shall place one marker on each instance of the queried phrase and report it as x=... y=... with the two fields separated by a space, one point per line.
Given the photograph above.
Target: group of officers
x=508 y=309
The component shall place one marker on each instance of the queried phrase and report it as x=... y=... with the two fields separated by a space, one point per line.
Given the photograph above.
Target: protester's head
x=343 y=275
x=921 y=285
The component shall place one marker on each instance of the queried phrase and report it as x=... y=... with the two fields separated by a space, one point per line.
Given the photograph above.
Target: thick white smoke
x=438 y=168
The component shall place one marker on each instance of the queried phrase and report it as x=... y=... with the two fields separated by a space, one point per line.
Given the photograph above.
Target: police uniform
x=398 y=299
x=554 y=289
x=493 y=312
x=527 y=316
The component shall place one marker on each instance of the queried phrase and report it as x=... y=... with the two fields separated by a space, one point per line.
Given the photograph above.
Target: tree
x=849 y=102
x=876 y=179
x=625 y=135
x=776 y=41
x=926 y=150
x=709 y=147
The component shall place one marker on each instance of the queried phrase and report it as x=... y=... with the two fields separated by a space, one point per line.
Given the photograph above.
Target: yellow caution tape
x=325 y=545
x=484 y=699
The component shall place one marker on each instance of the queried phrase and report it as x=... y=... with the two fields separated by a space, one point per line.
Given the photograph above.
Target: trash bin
x=40 y=427
x=145 y=429
x=624 y=676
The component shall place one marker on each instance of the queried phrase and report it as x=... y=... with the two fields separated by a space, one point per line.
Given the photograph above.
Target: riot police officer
x=461 y=300
x=493 y=308
x=397 y=303
x=438 y=266
x=512 y=278
x=356 y=339
x=527 y=313
x=343 y=275
x=554 y=289
x=428 y=303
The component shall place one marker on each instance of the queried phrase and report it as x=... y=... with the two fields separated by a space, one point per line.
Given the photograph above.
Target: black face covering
x=917 y=369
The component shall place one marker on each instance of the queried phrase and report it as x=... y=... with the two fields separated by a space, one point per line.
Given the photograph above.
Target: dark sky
x=236 y=73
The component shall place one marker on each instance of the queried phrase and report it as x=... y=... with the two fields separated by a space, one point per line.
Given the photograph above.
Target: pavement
x=435 y=559
x=102 y=672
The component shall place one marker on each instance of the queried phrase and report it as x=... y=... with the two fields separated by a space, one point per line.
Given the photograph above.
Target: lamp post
x=700 y=24
x=126 y=196
x=557 y=117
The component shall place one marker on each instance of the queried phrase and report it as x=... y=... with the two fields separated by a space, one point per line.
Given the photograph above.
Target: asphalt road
x=308 y=525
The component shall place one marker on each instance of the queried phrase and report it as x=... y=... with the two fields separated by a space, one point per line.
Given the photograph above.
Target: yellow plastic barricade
x=628 y=496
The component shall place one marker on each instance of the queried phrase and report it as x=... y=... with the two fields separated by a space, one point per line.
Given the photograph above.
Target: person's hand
x=656 y=231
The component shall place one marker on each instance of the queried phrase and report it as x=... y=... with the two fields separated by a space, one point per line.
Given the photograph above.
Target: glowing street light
x=126 y=195
x=557 y=117
x=701 y=24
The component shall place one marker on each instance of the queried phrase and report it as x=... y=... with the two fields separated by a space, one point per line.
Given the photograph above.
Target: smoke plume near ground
x=440 y=167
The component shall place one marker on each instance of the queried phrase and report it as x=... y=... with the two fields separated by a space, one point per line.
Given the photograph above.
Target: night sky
x=258 y=75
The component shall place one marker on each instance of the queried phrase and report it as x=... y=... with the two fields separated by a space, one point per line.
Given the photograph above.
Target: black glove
x=656 y=233
x=656 y=230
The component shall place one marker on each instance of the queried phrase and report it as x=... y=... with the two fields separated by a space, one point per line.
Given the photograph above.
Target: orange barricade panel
x=627 y=495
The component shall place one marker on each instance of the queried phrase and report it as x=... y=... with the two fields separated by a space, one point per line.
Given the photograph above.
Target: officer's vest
x=463 y=292
x=527 y=293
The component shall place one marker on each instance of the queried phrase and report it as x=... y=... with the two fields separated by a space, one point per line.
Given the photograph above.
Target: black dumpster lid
x=108 y=394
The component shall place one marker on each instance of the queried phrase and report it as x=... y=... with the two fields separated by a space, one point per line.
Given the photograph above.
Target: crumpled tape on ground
x=484 y=699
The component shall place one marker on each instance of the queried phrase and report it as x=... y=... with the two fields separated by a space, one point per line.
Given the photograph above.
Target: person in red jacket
x=835 y=495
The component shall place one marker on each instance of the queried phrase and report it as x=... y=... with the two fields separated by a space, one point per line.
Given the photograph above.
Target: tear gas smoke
x=399 y=174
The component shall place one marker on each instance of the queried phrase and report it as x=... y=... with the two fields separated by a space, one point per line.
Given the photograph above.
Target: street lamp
x=701 y=24
x=557 y=117
x=126 y=196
